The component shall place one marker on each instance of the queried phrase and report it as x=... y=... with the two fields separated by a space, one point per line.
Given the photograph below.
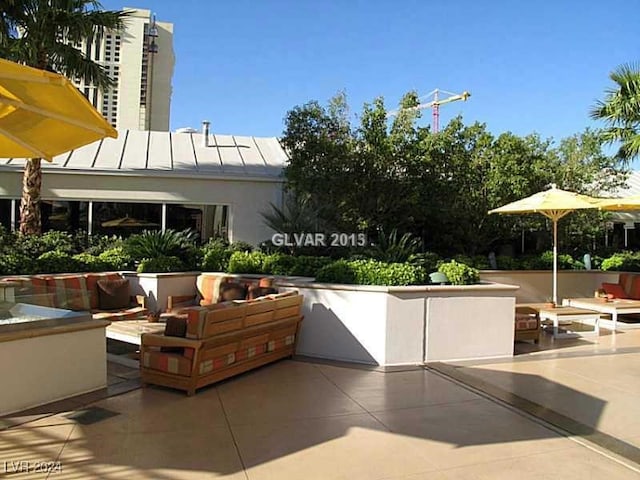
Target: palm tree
x=42 y=34
x=621 y=110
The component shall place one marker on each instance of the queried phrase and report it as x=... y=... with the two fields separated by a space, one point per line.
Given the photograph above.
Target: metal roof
x=137 y=152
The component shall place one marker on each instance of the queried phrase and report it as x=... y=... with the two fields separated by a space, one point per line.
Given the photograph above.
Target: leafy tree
x=42 y=34
x=620 y=109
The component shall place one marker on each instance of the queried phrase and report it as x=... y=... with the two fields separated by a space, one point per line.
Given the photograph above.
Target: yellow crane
x=435 y=103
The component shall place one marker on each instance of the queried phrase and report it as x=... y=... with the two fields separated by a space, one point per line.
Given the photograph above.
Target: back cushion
x=69 y=292
x=209 y=288
x=232 y=291
x=634 y=292
x=625 y=280
x=92 y=286
x=32 y=290
x=614 y=290
x=113 y=294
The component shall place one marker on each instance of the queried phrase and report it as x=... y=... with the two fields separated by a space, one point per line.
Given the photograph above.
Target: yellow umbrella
x=554 y=204
x=620 y=204
x=43 y=115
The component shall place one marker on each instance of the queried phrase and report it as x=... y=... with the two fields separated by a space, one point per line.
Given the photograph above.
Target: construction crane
x=435 y=103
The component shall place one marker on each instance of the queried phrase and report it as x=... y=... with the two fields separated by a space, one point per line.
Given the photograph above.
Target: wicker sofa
x=220 y=340
x=79 y=292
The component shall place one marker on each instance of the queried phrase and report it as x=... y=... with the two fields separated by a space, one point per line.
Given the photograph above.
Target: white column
x=13 y=215
x=90 y=218
x=164 y=217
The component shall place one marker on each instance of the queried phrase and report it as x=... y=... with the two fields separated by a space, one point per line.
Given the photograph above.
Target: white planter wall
x=42 y=369
x=158 y=286
x=537 y=285
x=405 y=325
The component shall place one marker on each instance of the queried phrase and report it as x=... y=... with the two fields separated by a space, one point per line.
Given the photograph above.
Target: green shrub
x=16 y=263
x=505 y=262
x=308 y=266
x=56 y=262
x=622 y=261
x=459 y=273
x=215 y=256
x=153 y=244
x=390 y=248
x=278 y=264
x=371 y=272
x=427 y=260
x=96 y=244
x=246 y=262
x=481 y=262
x=90 y=263
x=241 y=246
x=340 y=271
x=36 y=245
x=161 y=264
x=116 y=259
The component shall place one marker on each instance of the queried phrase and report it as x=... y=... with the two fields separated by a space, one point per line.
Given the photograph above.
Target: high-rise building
x=140 y=59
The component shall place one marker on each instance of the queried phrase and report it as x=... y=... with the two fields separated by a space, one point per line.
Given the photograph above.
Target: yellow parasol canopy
x=620 y=204
x=43 y=115
x=554 y=204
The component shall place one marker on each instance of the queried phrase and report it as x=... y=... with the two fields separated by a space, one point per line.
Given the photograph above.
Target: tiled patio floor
x=299 y=420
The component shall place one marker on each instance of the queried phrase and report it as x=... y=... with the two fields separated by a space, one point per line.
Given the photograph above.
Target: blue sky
x=530 y=66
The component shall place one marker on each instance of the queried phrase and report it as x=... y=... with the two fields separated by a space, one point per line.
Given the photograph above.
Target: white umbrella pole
x=555 y=261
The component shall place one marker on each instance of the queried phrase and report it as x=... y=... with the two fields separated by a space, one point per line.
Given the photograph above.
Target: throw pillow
x=113 y=294
x=232 y=291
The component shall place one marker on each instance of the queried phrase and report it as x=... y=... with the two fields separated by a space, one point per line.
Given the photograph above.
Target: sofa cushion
x=625 y=280
x=614 y=290
x=208 y=287
x=92 y=286
x=634 y=291
x=70 y=292
x=113 y=294
x=167 y=362
x=232 y=291
x=32 y=290
x=126 y=314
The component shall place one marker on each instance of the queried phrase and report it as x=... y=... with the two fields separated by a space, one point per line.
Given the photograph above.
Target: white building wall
x=246 y=198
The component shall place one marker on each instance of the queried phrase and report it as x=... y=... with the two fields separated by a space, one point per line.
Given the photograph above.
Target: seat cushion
x=113 y=294
x=32 y=290
x=167 y=362
x=614 y=290
x=126 y=314
x=70 y=292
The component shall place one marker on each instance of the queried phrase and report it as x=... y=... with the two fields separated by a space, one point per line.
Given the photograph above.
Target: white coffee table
x=614 y=307
x=570 y=314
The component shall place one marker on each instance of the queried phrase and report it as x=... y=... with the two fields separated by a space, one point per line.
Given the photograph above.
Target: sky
x=530 y=66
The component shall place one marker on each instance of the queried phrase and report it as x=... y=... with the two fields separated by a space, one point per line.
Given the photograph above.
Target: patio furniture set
x=622 y=298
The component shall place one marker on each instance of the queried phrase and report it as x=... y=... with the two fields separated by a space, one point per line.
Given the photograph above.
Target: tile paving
x=313 y=420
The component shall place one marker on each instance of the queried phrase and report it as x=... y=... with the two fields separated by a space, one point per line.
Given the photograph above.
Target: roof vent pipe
x=205 y=133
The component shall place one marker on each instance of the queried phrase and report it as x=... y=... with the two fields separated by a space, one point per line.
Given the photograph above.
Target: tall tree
x=621 y=111
x=43 y=34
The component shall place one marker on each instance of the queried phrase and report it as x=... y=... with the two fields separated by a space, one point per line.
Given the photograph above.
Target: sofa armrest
x=158 y=340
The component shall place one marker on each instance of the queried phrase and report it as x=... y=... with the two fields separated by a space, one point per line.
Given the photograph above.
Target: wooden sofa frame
x=224 y=332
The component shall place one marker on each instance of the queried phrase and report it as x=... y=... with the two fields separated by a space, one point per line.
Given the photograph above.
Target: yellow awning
x=43 y=115
x=620 y=204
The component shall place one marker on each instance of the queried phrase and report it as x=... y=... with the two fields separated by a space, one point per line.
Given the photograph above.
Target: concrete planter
x=536 y=285
x=158 y=286
x=405 y=325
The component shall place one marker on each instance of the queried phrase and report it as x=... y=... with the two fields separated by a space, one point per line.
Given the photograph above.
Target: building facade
x=141 y=60
x=217 y=185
